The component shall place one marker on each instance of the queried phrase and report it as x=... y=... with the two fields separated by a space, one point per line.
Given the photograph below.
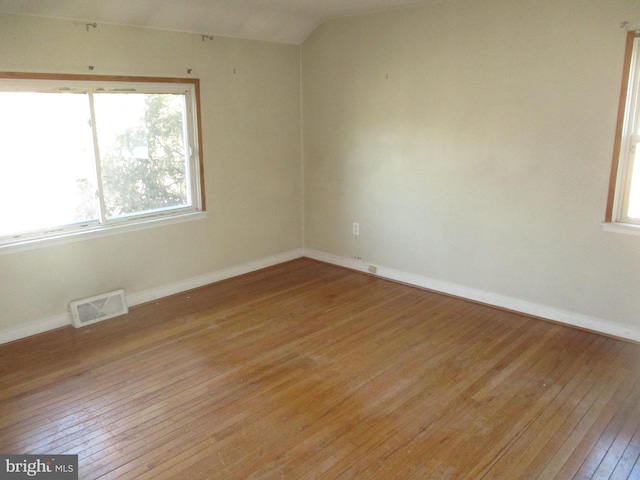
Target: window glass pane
x=143 y=158
x=633 y=207
x=631 y=196
x=46 y=161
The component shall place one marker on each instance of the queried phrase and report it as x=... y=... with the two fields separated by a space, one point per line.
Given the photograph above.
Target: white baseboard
x=34 y=328
x=202 y=280
x=529 y=308
x=62 y=320
x=509 y=303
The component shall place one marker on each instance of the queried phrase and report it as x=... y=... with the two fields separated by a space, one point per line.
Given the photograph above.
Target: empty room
x=355 y=239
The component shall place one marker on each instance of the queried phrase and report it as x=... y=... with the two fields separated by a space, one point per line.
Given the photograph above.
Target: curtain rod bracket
x=630 y=26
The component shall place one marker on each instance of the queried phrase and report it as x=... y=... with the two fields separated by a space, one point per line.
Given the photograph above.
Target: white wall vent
x=97 y=308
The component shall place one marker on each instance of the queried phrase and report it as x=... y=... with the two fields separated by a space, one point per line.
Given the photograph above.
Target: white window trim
x=68 y=234
x=71 y=236
x=628 y=117
x=620 y=227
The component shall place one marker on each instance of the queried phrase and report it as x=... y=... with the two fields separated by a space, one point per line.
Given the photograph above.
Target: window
x=623 y=207
x=81 y=154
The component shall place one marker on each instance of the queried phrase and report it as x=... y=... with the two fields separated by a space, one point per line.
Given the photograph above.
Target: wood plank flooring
x=306 y=370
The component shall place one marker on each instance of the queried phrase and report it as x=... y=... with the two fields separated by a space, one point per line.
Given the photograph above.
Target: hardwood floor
x=306 y=370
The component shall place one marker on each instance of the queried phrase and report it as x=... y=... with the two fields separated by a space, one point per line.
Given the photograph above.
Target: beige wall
x=470 y=139
x=472 y=142
x=251 y=139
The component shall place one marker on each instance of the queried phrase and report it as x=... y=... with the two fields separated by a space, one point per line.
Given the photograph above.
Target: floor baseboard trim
x=542 y=311
x=34 y=328
x=216 y=276
x=63 y=320
x=509 y=303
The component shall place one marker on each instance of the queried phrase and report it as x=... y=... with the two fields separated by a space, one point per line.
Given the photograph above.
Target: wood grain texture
x=306 y=370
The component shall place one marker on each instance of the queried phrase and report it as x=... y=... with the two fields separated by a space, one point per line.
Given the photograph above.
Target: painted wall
x=472 y=142
x=250 y=95
x=470 y=139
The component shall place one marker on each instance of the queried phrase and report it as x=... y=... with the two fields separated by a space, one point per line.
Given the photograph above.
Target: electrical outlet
x=356 y=228
x=373 y=269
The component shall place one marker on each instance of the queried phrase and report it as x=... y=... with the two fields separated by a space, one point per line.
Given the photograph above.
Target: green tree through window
x=90 y=155
x=143 y=160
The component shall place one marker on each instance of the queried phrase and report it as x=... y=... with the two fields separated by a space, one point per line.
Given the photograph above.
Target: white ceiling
x=285 y=21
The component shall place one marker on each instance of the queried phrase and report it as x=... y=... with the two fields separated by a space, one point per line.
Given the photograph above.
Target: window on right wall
x=623 y=205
